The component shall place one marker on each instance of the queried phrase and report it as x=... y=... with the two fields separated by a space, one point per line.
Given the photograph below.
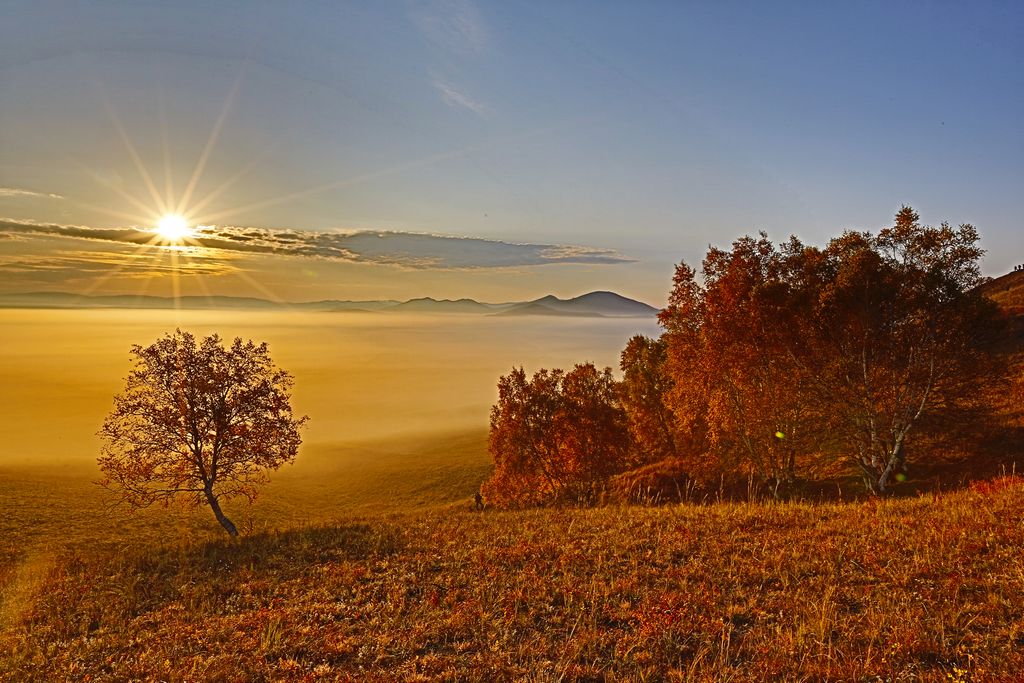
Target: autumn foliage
x=555 y=436
x=645 y=386
x=779 y=364
x=198 y=421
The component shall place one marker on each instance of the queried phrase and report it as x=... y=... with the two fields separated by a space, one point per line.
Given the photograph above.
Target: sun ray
x=355 y=180
x=116 y=270
x=261 y=288
x=381 y=173
x=165 y=144
x=211 y=142
x=134 y=154
x=124 y=194
x=198 y=279
x=146 y=284
x=175 y=283
x=174 y=237
x=134 y=218
x=196 y=209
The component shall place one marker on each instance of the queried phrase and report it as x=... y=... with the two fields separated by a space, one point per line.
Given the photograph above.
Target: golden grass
x=929 y=588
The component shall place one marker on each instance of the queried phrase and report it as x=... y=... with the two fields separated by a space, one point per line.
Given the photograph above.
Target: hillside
x=1007 y=291
x=913 y=589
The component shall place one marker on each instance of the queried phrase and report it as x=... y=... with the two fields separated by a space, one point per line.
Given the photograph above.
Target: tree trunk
x=880 y=472
x=219 y=514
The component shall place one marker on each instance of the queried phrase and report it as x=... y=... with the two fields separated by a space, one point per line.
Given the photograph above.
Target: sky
x=499 y=151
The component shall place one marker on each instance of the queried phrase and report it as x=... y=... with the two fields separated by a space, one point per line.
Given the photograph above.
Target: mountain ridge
x=597 y=304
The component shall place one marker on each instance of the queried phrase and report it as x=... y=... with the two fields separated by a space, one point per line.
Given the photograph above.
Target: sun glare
x=173 y=228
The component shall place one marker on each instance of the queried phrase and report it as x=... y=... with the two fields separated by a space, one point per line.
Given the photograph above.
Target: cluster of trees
x=780 y=363
x=559 y=435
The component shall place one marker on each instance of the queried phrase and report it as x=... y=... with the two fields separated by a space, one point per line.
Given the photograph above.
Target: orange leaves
x=198 y=420
x=733 y=384
x=555 y=436
x=645 y=387
x=843 y=349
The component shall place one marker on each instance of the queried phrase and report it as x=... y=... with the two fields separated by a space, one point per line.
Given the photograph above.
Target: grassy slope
x=925 y=587
x=1007 y=291
x=47 y=513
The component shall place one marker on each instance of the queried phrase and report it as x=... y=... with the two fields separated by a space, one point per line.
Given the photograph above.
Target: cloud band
x=401 y=249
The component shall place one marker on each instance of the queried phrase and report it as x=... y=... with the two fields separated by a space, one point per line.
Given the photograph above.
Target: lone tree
x=198 y=420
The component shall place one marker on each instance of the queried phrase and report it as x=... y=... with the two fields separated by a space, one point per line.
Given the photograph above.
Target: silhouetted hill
x=594 y=304
x=609 y=303
x=336 y=306
x=536 y=308
x=1008 y=292
x=429 y=305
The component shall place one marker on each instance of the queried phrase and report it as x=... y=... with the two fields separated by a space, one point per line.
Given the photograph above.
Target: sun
x=173 y=227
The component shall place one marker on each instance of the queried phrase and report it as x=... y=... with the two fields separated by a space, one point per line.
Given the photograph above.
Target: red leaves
x=556 y=436
x=198 y=419
x=842 y=349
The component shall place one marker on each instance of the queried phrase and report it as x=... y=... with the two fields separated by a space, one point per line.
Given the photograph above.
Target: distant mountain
x=429 y=305
x=594 y=304
x=68 y=300
x=336 y=306
x=535 y=308
x=597 y=304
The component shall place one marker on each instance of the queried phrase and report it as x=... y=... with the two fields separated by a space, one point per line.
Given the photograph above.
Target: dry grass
x=1007 y=291
x=930 y=588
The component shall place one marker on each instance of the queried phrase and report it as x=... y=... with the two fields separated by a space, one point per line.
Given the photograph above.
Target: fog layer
x=359 y=376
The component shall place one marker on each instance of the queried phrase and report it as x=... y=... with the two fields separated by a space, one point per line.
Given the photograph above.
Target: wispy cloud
x=401 y=249
x=455 y=25
x=454 y=97
x=7 y=192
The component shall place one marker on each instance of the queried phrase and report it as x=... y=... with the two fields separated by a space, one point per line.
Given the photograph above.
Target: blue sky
x=642 y=130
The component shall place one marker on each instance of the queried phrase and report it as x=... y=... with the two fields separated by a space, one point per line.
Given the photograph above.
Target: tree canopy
x=779 y=363
x=555 y=436
x=199 y=421
x=799 y=352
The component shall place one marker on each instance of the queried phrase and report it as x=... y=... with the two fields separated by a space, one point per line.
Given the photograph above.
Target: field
x=928 y=588
x=364 y=561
